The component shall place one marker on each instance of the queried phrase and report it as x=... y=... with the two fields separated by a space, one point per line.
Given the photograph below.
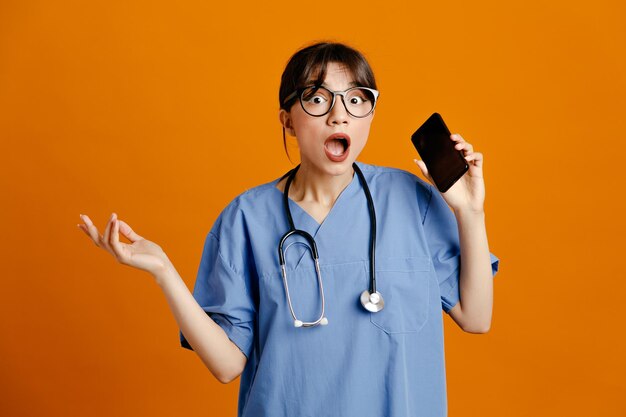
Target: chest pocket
x=405 y=286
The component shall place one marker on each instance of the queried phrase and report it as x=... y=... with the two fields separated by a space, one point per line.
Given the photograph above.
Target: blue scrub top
x=389 y=363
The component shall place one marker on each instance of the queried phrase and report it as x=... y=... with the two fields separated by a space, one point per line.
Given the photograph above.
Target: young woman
x=323 y=289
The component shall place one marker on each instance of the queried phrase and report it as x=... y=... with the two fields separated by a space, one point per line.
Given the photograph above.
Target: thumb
x=128 y=232
x=424 y=170
x=422 y=166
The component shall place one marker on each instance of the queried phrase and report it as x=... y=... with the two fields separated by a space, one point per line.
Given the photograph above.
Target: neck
x=316 y=186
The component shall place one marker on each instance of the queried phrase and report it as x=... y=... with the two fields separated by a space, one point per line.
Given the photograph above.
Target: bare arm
x=473 y=312
x=466 y=198
x=207 y=338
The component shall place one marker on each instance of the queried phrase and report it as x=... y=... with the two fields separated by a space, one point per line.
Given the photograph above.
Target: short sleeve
x=222 y=292
x=442 y=235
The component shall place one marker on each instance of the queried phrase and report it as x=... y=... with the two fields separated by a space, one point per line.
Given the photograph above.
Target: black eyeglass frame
x=299 y=92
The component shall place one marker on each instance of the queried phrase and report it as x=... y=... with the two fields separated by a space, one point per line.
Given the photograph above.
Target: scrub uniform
x=389 y=363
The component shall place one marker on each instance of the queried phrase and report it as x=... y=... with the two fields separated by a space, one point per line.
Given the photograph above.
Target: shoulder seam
x=219 y=254
x=230 y=268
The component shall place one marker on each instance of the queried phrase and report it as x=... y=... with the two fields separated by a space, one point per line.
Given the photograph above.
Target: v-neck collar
x=304 y=221
x=310 y=219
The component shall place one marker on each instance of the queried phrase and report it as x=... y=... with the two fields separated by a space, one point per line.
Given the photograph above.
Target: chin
x=339 y=168
x=326 y=166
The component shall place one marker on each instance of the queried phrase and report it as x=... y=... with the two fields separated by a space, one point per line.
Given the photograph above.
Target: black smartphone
x=445 y=163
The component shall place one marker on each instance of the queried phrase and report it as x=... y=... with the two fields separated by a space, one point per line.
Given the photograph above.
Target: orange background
x=163 y=113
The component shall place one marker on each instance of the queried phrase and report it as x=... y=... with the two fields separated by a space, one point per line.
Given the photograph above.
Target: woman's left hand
x=468 y=193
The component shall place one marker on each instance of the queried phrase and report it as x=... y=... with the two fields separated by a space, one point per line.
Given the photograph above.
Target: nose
x=338 y=114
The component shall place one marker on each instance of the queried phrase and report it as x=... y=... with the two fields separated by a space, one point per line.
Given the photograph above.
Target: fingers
x=468 y=150
x=107 y=234
x=477 y=157
x=114 y=238
x=461 y=144
x=90 y=230
x=83 y=228
x=102 y=241
x=105 y=241
x=127 y=231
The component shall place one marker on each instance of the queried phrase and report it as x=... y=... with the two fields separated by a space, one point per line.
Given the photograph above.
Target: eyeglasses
x=318 y=101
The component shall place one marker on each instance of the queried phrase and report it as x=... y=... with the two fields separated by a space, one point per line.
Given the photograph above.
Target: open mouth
x=337 y=146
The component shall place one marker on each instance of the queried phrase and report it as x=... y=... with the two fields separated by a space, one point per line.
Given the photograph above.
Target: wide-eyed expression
x=329 y=143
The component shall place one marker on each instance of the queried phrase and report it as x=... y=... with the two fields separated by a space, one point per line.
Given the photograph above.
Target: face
x=330 y=143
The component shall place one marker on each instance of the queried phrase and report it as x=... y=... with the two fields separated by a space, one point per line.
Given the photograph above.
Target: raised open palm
x=140 y=253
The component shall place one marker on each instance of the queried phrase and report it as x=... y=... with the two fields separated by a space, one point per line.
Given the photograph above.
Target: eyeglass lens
x=317 y=101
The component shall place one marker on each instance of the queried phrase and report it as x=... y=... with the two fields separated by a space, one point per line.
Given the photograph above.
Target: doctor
x=239 y=319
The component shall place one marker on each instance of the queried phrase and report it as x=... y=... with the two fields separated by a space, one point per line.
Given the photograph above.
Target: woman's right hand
x=141 y=253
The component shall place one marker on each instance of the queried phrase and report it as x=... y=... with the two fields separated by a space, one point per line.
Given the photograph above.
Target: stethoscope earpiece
x=299 y=323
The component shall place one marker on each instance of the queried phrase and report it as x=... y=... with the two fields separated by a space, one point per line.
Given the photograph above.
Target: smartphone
x=445 y=163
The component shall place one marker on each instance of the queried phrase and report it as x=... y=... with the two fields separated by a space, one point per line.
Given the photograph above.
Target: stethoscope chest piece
x=373 y=302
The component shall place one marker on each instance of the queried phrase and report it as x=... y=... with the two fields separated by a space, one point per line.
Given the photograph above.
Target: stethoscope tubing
x=372 y=213
x=365 y=297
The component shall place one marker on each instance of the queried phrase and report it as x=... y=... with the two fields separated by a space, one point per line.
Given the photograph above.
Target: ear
x=285 y=119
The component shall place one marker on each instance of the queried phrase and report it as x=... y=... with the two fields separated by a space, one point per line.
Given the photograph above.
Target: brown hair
x=311 y=61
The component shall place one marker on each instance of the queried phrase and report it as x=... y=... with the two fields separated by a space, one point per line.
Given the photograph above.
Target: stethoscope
x=371 y=299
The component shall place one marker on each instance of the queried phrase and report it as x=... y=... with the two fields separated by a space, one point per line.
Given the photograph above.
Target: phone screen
x=445 y=163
